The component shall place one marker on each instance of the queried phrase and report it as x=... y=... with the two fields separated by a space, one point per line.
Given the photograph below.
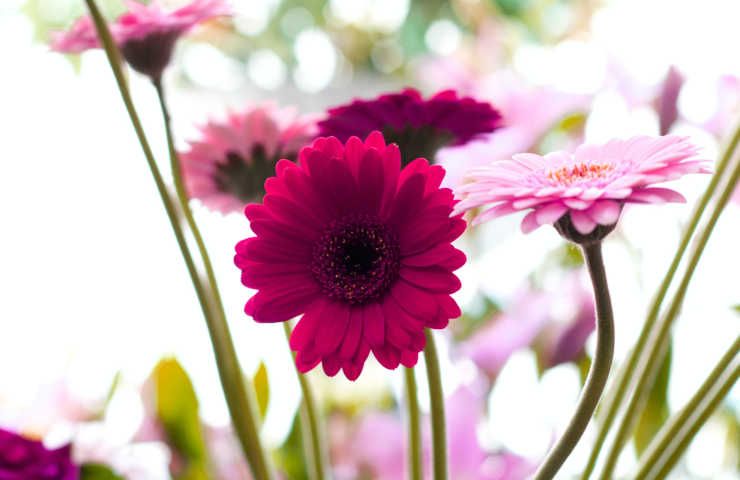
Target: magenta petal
x=305 y=330
x=373 y=324
x=332 y=327
x=268 y=306
x=353 y=336
x=431 y=279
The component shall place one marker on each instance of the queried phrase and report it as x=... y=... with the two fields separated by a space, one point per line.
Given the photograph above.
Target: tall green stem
x=658 y=339
x=693 y=426
x=315 y=455
x=414 y=427
x=239 y=397
x=668 y=438
x=613 y=400
x=231 y=376
x=600 y=366
x=437 y=407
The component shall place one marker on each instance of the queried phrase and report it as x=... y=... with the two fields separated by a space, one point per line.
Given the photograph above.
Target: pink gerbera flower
x=420 y=127
x=146 y=34
x=582 y=193
x=228 y=166
x=360 y=248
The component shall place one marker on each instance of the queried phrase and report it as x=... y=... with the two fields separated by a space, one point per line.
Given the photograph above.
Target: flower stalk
x=239 y=397
x=671 y=439
x=414 y=427
x=230 y=372
x=600 y=366
x=315 y=456
x=652 y=356
x=437 y=407
x=613 y=400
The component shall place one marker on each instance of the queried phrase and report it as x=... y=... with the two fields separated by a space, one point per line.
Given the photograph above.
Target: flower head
x=25 y=459
x=420 y=127
x=360 y=248
x=146 y=34
x=583 y=192
x=228 y=166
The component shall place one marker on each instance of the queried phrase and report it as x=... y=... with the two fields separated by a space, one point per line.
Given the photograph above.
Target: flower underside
x=242 y=178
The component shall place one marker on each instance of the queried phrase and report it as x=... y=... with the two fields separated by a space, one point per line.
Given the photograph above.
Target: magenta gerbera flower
x=26 y=459
x=582 y=193
x=228 y=166
x=420 y=127
x=360 y=248
x=146 y=34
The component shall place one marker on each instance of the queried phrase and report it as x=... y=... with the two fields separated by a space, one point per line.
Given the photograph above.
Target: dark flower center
x=356 y=259
x=245 y=178
x=418 y=142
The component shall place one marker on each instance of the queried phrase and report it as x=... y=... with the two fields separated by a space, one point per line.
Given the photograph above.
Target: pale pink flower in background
x=467 y=459
x=728 y=106
x=666 y=104
x=528 y=113
x=564 y=337
x=227 y=167
x=590 y=186
x=81 y=36
x=508 y=332
x=145 y=33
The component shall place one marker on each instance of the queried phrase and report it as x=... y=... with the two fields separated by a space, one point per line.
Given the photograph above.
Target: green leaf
x=97 y=471
x=289 y=458
x=177 y=409
x=656 y=410
x=262 y=389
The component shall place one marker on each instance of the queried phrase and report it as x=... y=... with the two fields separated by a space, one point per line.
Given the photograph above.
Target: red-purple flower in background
x=419 y=126
x=228 y=166
x=360 y=248
x=146 y=34
x=583 y=191
x=25 y=459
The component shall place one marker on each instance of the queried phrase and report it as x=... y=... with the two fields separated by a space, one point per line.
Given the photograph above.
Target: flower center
x=245 y=178
x=356 y=259
x=580 y=172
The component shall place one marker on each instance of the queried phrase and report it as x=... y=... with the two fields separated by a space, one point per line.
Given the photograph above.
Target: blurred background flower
x=94 y=298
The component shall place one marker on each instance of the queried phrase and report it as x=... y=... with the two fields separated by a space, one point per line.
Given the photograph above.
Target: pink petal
x=583 y=223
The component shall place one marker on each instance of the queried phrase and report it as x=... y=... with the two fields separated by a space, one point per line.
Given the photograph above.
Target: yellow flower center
x=570 y=174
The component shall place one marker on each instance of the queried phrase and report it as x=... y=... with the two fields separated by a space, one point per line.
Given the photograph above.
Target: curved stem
x=414 y=438
x=668 y=437
x=437 y=407
x=600 y=366
x=239 y=397
x=613 y=399
x=651 y=362
x=310 y=422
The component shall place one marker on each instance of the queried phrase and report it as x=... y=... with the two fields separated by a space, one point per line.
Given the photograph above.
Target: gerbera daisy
x=581 y=193
x=146 y=34
x=360 y=248
x=24 y=459
x=228 y=166
x=420 y=127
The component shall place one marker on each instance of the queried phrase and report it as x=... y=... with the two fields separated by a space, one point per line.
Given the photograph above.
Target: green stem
x=437 y=407
x=694 y=426
x=600 y=366
x=412 y=406
x=239 y=397
x=651 y=362
x=614 y=398
x=309 y=423
x=668 y=438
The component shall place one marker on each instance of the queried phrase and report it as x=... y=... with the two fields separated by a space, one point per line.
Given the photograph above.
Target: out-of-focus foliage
x=177 y=410
x=290 y=456
x=262 y=389
x=96 y=471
